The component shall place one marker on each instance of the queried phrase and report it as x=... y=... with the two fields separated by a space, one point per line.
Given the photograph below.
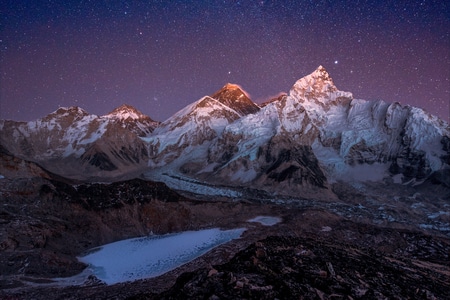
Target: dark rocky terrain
x=281 y=267
x=345 y=249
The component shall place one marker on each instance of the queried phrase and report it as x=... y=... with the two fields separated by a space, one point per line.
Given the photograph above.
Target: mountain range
x=360 y=189
x=296 y=143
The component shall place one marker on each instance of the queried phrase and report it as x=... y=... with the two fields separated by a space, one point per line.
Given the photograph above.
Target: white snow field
x=152 y=256
x=266 y=220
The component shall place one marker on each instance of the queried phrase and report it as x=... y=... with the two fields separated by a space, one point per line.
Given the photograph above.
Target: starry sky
x=160 y=56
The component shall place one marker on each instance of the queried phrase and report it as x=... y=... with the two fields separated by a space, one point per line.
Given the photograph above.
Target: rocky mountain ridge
x=296 y=144
x=74 y=143
x=308 y=138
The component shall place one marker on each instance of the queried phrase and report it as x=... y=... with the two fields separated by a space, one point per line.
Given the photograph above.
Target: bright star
x=336 y=62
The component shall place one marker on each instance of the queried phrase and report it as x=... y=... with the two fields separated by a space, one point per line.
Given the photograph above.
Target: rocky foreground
x=281 y=267
x=372 y=246
x=372 y=241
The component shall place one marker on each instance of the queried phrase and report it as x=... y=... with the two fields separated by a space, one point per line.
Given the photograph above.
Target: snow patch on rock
x=266 y=220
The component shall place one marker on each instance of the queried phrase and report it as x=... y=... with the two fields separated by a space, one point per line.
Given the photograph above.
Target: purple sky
x=162 y=56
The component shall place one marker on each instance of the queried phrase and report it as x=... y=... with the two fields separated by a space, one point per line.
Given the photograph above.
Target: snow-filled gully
x=151 y=256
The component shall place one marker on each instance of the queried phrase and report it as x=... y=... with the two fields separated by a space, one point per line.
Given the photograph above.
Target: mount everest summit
x=296 y=144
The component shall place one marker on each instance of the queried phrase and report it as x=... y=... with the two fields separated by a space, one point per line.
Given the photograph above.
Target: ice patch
x=438 y=214
x=148 y=257
x=336 y=168
x=70 y=150
x=94 y=135
x=440 y=227
x=398 y=178
x=417 y=205
x=266 y=220
x=244 y=176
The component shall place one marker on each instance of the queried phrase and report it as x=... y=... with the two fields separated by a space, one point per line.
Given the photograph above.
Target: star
x=128 y=50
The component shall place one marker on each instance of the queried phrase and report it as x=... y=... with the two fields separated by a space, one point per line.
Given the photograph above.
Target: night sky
x=160 y=56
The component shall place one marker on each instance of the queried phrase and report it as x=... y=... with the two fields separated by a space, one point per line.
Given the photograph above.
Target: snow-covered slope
x=76 y=144
x=406 y=140
x=318 y=134
x=296 y=143
x=130 y=118
x=187 y=134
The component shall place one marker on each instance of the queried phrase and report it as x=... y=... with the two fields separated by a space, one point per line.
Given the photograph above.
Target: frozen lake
x=266 y=220
x=152 y=256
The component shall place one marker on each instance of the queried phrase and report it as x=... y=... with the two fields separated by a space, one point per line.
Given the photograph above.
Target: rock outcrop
x=294 y=268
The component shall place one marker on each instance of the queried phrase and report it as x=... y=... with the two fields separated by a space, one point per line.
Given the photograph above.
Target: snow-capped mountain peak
x=317 y=92
x=313 y=134
x=321 y=74
x=232 y=86
x=74 y=112
x=195 y=125
x=316 y=85
x=126 y=116
x=125 y=112
x=233 y=96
